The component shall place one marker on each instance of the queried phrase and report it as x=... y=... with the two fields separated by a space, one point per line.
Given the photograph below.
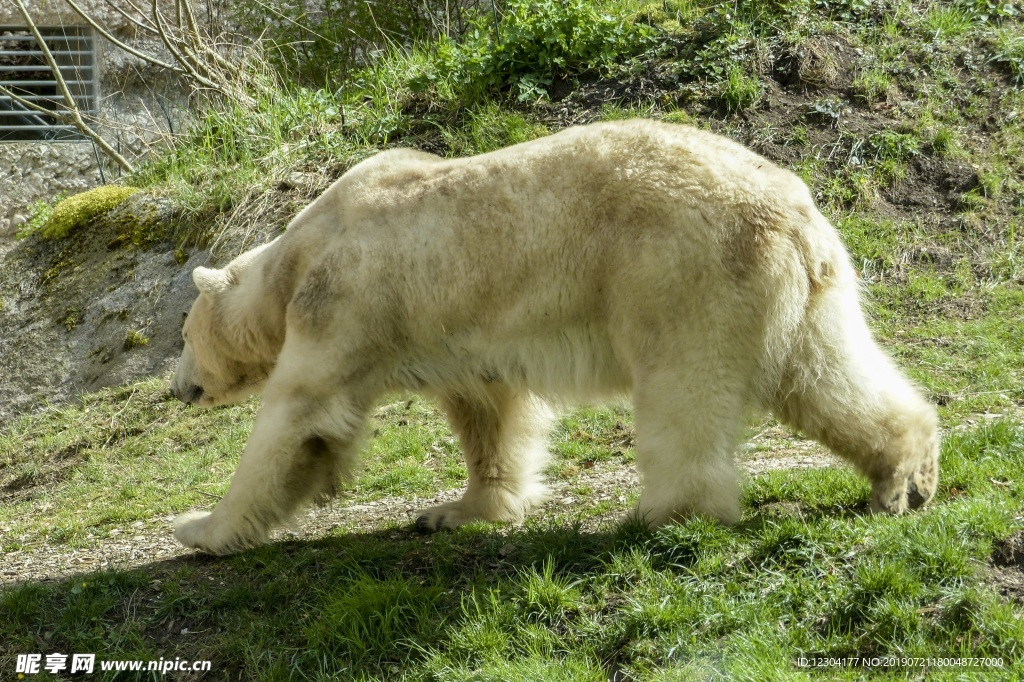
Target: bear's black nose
x=189 y=394
x=197 y=393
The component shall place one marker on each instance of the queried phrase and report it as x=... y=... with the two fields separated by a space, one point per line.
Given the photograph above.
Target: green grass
x=873 y=85
x=121 y=456
x=739 y=91
x=948 y=306
x=570 y=595
x=815 y=578
x=489 y=127
x=494 y=85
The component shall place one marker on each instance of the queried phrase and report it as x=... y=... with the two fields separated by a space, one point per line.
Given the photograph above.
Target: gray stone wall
x=32 y=171
x=138 y=104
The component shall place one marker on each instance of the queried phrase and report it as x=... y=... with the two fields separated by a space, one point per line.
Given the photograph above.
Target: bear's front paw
x=203 y=531
x=191 y=530
x=903 y=492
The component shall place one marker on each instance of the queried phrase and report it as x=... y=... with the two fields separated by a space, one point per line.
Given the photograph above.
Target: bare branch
x=27 y=103
x=190 y=18
x=189 y=56
x=196 y=36
x=186 y=63
x=124 y=46
x=71 y=103
x=142 y=22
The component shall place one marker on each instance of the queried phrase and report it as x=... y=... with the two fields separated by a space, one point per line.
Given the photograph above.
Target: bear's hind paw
x=450 y=515
x=910 y=492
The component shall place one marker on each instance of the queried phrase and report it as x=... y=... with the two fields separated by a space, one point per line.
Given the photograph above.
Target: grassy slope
x=899 y=120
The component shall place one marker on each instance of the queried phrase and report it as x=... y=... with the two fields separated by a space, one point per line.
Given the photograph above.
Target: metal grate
x=24 y=71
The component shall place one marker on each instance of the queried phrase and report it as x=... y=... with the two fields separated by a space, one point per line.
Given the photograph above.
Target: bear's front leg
x=299 y=447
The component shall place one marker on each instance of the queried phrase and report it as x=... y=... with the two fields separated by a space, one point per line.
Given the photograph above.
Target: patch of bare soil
x=147 y=542
x=1007 y=567
x=57 y=467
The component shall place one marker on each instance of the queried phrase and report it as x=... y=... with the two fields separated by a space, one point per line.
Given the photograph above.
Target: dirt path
x=145 y=542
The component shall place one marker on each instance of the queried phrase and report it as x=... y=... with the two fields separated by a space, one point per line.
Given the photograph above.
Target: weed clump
x=1010 y=53
x=739 y=91
x=532 y=44
x=76 y=211
x=134 y=339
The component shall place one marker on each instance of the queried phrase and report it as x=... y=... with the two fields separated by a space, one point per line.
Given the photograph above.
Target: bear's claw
x=425 y=524
x=914 y=497
x=897 y=495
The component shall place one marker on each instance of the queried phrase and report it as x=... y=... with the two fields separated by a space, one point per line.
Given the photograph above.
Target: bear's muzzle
x=187 y=394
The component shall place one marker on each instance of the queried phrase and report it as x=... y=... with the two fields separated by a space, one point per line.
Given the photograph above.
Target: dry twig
x=71 y=115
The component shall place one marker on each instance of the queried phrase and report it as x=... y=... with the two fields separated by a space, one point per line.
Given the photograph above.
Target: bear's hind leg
x=502 y=433
x=843 y=391
x=298 y=449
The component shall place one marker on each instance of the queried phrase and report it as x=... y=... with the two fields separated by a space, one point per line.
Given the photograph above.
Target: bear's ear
x=210 y=281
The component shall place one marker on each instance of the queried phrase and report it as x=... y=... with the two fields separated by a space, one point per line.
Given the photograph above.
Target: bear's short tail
x=808 y=270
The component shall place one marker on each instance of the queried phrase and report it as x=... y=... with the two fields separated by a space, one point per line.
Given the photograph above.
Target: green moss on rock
x=135 y=339
x=77 y=210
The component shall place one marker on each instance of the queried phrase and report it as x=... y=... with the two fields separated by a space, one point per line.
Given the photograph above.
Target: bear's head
x=228 y=351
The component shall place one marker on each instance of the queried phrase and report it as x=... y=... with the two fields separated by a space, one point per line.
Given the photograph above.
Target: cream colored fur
x=637 y=258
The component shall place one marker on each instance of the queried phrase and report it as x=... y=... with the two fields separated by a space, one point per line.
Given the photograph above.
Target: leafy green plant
x=716 y=43
x=39 y=212
x=827 y=110
x=1010 y=52
x=846 y=10
x=988 y=10
x=533 y=43
x=893 y=146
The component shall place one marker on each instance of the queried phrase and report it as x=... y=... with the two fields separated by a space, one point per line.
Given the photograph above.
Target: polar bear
x=631 y=258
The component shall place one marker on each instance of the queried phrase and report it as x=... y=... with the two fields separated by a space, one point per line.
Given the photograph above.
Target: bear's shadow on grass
x=480 y=554
x=304 y=594
x=472 y=555
x=407 y=585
